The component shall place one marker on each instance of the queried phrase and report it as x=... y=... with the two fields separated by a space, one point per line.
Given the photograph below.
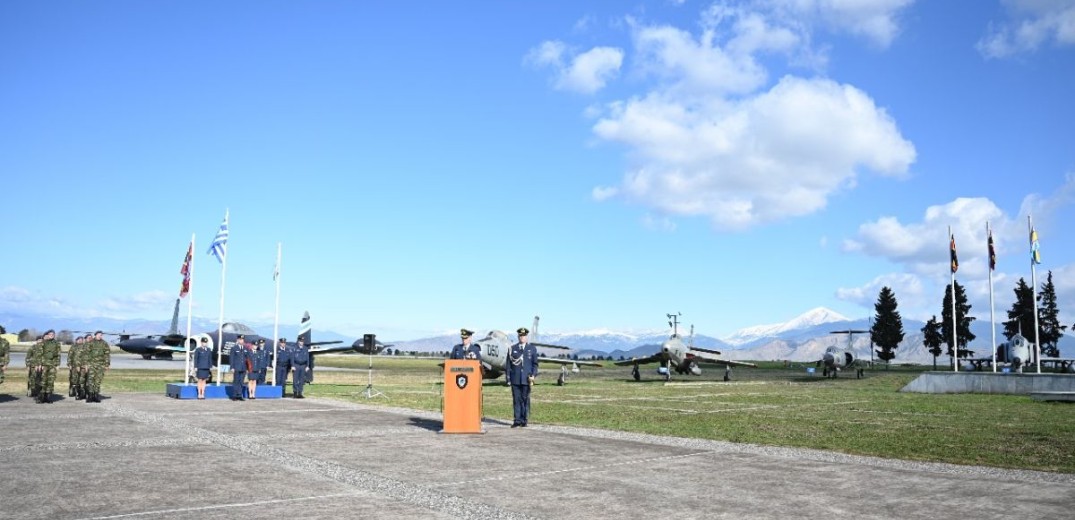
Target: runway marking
x=223 y=506
x=580 y=468
x=145 y=443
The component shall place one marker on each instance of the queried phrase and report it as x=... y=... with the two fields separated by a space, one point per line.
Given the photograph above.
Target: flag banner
x=1035 y=255
x=184 y=289
x=219 y=246
x=955 y=260
x=992 y=254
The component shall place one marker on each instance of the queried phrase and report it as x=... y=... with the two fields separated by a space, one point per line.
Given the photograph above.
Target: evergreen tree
x=1021 y=315
x=963 y=333
x=887 y=330
x=932 y=338
x=1049 y=328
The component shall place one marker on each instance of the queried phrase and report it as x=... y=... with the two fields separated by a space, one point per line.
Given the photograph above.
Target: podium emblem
x=461 y=381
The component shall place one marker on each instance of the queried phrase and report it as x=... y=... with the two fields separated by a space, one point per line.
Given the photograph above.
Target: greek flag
x=219 y=247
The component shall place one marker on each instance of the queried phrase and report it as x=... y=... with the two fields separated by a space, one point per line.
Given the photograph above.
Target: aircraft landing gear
x=147 y=356
x=727 y=373
x=563 y=376
x=860 y=373
x=636 y=374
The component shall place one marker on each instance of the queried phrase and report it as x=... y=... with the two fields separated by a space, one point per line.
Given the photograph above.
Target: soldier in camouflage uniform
x=31 y=367
x=47 y=362
x=5 y=357
x=98 y=359
x=81 y=372
x=72 y=367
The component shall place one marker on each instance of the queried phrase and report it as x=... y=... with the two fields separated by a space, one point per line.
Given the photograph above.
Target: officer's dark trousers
x=520 y=399
x=298 y=379
x=281 y=375
x=237 y=379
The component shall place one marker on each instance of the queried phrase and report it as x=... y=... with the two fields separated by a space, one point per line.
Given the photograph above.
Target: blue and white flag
x=219 y=247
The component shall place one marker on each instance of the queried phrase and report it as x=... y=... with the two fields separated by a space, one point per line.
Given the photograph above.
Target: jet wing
x=169 y=349
x=641 y=361
x=560 y=361
x=710 y=357
x=322 y=347
x=547 y=345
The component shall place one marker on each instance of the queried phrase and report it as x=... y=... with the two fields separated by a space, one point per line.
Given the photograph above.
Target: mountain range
x=803 y=338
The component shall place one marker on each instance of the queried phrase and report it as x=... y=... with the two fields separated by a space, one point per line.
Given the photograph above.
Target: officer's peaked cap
x=466 y=333
x=523 y=331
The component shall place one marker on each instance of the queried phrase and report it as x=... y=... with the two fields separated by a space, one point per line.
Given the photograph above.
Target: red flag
x=185 y=271
x=955 y=261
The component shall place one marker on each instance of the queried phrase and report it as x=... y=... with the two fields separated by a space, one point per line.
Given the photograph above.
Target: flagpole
x=190 y=305
x=220 y=321
x=955 y=322
x=276 y=318
x=992 y=315
x=1034 y=288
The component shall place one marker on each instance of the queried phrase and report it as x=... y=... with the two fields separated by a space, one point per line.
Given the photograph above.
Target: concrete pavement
x=148 y=456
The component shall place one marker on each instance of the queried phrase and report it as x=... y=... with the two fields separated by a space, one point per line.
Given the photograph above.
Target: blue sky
x=434 y=166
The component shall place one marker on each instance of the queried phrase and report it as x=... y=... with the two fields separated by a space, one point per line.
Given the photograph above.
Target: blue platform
x=223 y=391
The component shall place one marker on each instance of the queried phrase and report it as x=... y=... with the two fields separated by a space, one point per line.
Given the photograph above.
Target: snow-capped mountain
x=811 y=318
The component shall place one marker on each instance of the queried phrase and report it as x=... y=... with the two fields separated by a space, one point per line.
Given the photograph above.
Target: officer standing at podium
x=465 y=350
x=521 y=367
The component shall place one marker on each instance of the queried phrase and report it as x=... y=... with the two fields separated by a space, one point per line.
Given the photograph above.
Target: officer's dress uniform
x=461 y=351
x=283 y=365
x=520 y=366
x=261 y=364
x=203 y=362
x=238 y=358
x=300 y=359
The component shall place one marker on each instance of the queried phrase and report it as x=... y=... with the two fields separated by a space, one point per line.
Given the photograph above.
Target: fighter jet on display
x=1017 y=354
x=681 y=357
x=496 y=345
x=360 y=346
x=836 y=359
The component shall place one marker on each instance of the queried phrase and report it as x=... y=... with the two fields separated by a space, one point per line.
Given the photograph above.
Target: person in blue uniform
x=466 y=350
x=521 y=367
x=259 y=361
x=203 y=365
x=300 y=359
x=241 y=361
x=283 y=364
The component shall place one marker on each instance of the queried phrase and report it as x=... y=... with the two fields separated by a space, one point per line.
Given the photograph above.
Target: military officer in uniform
x=31 y=368
x=520 y=368
x=240 y=359
x=203 y=365
x=283 y=364
x=300 y=359
x=83 y=367
x=72 y=367
x=47 y=362
x=259 y=360
x=465 y=350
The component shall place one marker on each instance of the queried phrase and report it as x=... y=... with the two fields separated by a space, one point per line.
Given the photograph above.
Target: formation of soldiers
x=87 y=362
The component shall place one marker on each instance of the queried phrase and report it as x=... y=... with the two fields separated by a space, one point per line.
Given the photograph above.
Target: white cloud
x=136 y=303
x=601 y=193
x=1031 y=24
x=653 y=223
x=586 y=72
x=20 y=300
x=761 y=159
x=908 y=289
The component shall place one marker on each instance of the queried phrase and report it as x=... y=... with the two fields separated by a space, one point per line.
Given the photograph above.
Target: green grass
x=770 y=405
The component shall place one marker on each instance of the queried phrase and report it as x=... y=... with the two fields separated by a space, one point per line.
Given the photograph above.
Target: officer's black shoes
x=523 y=425
x=515 y=425
x=46 y=399
x=300 y=396
x=70 y=391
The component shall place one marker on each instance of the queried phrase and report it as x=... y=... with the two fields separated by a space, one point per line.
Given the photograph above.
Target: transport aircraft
x=836 y=359
x=681 y=357
x=496 y=345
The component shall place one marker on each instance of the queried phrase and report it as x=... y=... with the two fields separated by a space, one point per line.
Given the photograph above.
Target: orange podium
x=462 y=396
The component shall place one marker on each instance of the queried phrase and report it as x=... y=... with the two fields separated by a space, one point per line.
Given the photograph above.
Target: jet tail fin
x=305 y=328
x=175 y=320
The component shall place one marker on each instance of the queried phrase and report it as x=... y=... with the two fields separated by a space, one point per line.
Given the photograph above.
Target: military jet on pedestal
x=681 y=357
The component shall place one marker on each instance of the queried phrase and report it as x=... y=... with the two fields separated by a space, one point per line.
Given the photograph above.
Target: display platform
x=223 y=391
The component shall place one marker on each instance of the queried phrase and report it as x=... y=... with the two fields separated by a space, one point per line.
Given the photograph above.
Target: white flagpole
x=220 y=322
x=992 y=315
x=190 y=305
x=1034 y=287
x=276 y=318
x=955 y=320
